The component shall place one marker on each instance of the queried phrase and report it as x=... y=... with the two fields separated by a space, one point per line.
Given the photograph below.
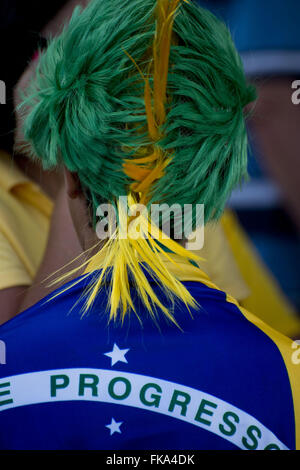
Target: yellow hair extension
x=126 y=255
x=145 y=246
x=146 y=170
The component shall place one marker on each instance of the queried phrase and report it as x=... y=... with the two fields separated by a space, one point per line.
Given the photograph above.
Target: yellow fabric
x=186 y=272
x=266 y=298
x=284 y=345
x=219 y=263
x=24 y=224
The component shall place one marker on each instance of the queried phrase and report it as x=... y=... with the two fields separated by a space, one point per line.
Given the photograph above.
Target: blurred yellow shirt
x=24 y=224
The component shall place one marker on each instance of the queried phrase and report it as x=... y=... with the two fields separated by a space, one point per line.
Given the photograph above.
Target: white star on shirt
x=117 y=355
x=114 y=426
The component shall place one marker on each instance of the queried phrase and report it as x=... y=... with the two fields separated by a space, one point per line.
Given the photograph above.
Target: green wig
x=145 y=99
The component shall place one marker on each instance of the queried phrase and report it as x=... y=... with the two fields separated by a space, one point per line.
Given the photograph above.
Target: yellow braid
x=130 y=255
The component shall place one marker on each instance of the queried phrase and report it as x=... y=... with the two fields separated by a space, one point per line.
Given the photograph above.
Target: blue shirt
x=223 y=381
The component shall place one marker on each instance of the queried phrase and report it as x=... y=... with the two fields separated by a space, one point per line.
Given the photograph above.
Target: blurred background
x=266 y=33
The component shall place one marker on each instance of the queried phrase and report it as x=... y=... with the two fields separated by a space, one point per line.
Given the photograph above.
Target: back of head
x=143 y=99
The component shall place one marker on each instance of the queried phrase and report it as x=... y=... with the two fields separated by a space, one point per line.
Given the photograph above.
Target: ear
x=72 y=183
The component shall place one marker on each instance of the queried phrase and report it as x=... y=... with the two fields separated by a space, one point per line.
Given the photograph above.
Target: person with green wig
x=142 y=102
